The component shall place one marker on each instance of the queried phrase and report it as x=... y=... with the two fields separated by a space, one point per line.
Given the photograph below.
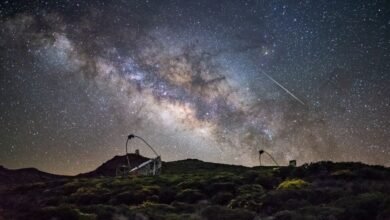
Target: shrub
x=61 y=213
x=102 y=211
x=223 y=213
x=183 y=207
x=191 y=184
x=90 y=195
x=374 y=173
x=222 y=198
x=267 y=181
x=214 y=188
x=287 y=215
x=275 y=200
x=292 y=204
x=293 y=184
x=154 y=210
x=71 y=187
x=167 y=195
x=384 y=214
x=223 y=177
x=321 y=212
x=190 y=196
x=249 y=197
x=250 y=176
x=150 y=190
x=251 y=189
x=343 y=174
x=363 y=206
x=129 y=197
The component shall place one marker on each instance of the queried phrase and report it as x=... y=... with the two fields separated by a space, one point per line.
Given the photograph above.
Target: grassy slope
x=193 y=189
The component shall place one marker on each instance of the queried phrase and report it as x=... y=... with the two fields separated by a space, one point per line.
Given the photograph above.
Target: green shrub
x=363 y=206
x=292 y=204
x=129 y=197
x=101 y=211
x=150 y=190
x=343 y=174
x=191 y=184
x=275 y=200
x=167 y=195
x=190 y=196
x=223 y=177
x=321 y=212
x=251 y=189
x=250 y=176
x=214 y=188
x=71 y=187
x=293 y=184
x=155 y=210
x=249 y=197
x=30 y=187
x=288 y=215
x=267 y=181
x=90 y=195
x=222 y=198
x=223 y=213
x=182 y=207
x=61 y=213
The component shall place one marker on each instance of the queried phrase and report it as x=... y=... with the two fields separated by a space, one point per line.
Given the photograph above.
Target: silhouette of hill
x=109 y=167
x=25 y=175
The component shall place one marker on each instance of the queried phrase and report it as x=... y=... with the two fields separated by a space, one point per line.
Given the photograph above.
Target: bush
x=373 y=174
x=251 y=189
x=183 y=207
x=61 y=213
x=167 y=195
x=191 y=184
x=293 y=184
x=321 y=212
x=130 y=197
x=287 y=215
x=150 y=190
x=275 y=200
x=214 y=188
x=292 y=204
x=190 y=196
x=363 y=206
x=250 y=197
x=267 y=181
x=222 y=198
x=343 y=174
x=223 y=213
x=224 y=177
x=250 y=176
x=102 y=211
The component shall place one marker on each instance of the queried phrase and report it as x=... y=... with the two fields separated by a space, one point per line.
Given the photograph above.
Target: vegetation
x=192 y=189
x=293 y=184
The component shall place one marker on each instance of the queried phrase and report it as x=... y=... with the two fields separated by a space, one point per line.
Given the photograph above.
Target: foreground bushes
x=316 y=191
x=293 y=184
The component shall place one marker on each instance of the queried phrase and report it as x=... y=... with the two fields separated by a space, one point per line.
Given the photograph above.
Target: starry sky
x=212 y=80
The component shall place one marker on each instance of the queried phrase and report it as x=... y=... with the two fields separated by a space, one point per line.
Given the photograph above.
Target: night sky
x=212 y=80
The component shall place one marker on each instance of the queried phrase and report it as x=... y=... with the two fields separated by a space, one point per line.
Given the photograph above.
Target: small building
x=292 y=163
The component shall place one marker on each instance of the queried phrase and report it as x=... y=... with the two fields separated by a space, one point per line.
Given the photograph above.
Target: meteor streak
x=281 y=86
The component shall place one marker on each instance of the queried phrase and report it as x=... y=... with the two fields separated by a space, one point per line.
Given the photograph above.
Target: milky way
x=198 y=79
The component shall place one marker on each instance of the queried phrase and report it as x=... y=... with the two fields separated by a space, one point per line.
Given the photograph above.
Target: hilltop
x=193 y=189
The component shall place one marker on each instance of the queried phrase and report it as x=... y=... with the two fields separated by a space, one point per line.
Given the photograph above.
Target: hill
x=109 y=167
x=193 y=189
x=25 y=175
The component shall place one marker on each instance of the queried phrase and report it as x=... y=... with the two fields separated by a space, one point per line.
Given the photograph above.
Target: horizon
x=305 y=81
x=184 y=159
